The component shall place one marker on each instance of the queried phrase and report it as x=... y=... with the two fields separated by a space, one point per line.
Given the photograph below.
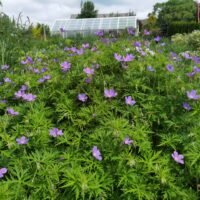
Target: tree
x=88 y=10
x=174 y=10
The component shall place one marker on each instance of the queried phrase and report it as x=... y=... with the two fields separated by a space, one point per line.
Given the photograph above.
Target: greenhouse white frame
x=90 y=25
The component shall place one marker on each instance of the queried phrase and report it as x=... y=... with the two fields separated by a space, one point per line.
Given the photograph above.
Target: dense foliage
x=182 y=27
x=174 y=11
x=17 y=36
x=116 y=119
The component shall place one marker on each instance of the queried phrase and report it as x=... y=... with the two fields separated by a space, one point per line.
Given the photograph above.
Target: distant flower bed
x=115 y=120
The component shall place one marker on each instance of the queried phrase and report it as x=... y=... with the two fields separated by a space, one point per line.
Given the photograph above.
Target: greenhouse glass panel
x=90 y=25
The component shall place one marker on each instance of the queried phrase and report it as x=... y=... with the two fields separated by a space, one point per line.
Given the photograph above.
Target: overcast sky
x=46 y=11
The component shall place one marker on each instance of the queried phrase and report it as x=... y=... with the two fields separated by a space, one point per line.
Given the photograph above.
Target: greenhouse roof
x=109 y=23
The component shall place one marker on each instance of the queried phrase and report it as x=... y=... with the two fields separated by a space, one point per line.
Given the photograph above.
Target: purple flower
x=118 y=57
x=82 y=97
x=173 y=55
x=66 y=49
x=29 y=60
x=196 y=69
x=2 y=172
x=85 y=46
x=41 y=80
x=19 y=94
x=146 y=32
x=129 y=101
x=5 y=67
x=80 y=51
x=128 y=58
x=55 y=132
x=44 y=69
x=196 y=59
x=7 y=80
x=22 y=140
x=88 y=71
x=29 y=97
x=65 y=66
x=110 y=93
x=93 y=49
x=178 y=157
x=73 y=49
x=131 y=31
x=191 y=74
x=170 y=68
x=88 y=80
x=99 y=33
x=137 y=44
x=193 y=95
x=187 y=106
x=23 y=62
x=35 y=70
x=24 y=88
x=128 y=141
x=157 y=39
x=10 y=111
x=96 y=153
x=47 y=77
x=150 y=68
x=44 y=78
x=186 y=56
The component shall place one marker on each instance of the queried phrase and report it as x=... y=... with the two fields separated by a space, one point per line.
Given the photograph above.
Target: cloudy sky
x=46 y=11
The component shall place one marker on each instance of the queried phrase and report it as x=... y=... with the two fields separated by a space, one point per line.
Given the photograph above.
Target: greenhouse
x=70 y=27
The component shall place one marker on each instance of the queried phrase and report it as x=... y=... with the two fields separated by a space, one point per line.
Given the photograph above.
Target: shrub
x=182 y=27
x=191 y=40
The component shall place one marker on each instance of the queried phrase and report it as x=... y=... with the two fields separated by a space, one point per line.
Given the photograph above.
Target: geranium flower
x=193 y=95
x=99 y=33
x=170 y=68
x=10 y=111
x=129 y=101
x=146 y=32
x=187 y=106
x=2 y=172
x=88 y=71
x=7 y=80
x=29 y=97
x=80 y=51
x=118 y=57
x=110 y=93
x=150 y=68
x=65 y=66
x=157 y=39
x=128 y=58
x=82 y=97
x=5 y=67
x=19 y=94
x=137 y=44
x=22 y=140
x=55 y=132
x=85 y=46
x=127 y=141
x=178 y=157
x=96 y=153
